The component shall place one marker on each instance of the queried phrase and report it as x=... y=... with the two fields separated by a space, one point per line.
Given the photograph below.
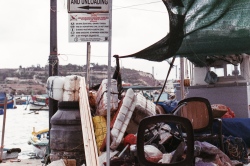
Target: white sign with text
x=88 y=6
x=85 y=27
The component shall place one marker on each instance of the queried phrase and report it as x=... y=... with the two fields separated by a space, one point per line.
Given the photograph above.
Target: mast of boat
x=3 y=128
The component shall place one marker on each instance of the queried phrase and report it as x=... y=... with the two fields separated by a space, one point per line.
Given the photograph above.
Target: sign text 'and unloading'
x=87 y=6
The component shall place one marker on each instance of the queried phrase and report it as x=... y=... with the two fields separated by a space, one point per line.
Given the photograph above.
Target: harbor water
x=18 y=127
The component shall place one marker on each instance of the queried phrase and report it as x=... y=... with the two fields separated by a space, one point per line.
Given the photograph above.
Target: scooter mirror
x=165 y=140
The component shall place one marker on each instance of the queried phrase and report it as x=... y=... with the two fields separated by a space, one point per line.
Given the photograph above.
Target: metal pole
x=53 y=59
x=109 y=84
x=176 y=72
x=182 y=78
x=3 y=128
x=88 y=65
x=191 y=73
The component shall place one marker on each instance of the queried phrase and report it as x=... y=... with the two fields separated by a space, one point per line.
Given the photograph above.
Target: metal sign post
x=91 y=21
x=109 y=84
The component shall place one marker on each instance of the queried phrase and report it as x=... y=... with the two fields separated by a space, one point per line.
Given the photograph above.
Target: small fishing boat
x=21 y=100
x=10 y=101
x=10 y=153
x=39 y=140
x=39 y=102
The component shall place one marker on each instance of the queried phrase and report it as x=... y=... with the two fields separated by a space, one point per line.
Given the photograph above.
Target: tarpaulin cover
x=237 y=127
x=201 y=28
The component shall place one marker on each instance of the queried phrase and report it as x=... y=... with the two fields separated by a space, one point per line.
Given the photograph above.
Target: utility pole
x=53 y=59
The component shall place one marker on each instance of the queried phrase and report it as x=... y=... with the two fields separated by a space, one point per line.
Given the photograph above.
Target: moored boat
x=39 y=102
x=21 y=100
x=10 y=153
x=10 y=101
x=39 y=140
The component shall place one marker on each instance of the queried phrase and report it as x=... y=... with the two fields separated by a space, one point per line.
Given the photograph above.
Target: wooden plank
x=90 y=148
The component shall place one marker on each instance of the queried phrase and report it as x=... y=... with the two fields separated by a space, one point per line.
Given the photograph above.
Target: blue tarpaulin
x=237 y=127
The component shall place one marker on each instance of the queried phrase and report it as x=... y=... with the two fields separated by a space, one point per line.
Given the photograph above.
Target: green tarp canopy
x=202 y=30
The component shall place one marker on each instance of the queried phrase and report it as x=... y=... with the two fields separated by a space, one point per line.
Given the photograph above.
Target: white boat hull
x=39 y=150
x=38 y=107
x=39 y=140
x=39 y=102
x=11 y=155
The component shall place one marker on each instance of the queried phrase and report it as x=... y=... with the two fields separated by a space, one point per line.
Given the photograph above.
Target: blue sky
x=25 y=32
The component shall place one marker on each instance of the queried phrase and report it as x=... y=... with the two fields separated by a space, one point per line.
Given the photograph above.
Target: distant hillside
x=33 y=79
x=138 y=77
